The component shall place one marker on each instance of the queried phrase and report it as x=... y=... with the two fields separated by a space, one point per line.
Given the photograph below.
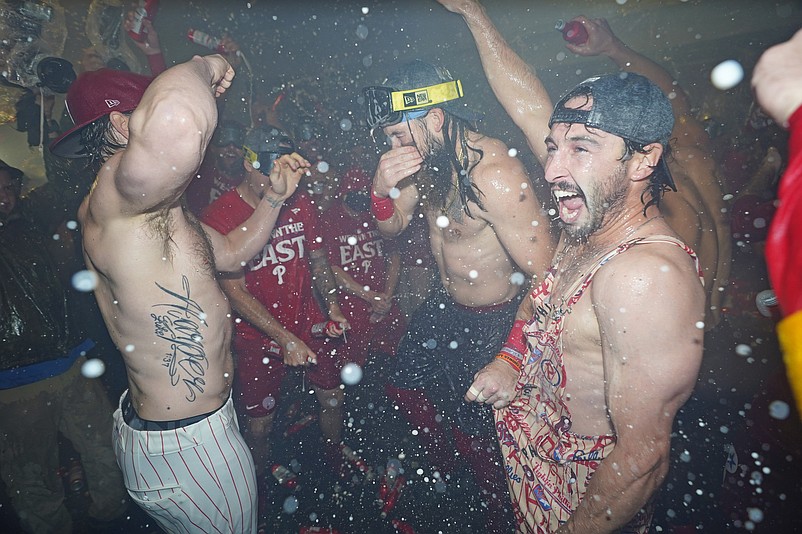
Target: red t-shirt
x=208 y=185
x=279 y=276
x=354 y=243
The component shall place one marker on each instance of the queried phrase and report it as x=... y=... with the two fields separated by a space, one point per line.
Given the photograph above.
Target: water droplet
x=727 y=74
x=345 y=125
x=290 y=504
x=269 y=403
x=84 y=281
x=779 y=409
x=323 y=167
x=743 y=350
x=93 y=368
x=130 y=348
x=473 y=274
x=362 y=31
x=351 y=374
x=755 y=514
x=352 y=240
x=442 y=221
x=395 y=193
x=512 y=152
x=517 y=279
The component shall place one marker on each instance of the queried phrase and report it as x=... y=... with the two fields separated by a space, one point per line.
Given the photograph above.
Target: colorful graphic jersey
x=548 y=466
x=279 y=276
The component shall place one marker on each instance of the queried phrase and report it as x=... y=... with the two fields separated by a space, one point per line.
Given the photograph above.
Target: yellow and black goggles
x=387 y=106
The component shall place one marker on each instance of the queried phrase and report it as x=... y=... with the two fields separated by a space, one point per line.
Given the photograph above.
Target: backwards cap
x=419 y=74
x=93 y=95
x=627 y=105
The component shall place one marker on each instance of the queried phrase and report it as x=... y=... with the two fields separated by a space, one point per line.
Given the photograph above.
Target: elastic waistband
x=133 y=420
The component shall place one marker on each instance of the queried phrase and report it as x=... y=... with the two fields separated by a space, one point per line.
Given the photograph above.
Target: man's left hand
x=493 y=384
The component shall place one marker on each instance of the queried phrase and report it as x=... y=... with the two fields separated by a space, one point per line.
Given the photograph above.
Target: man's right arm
x=169 y=132
x=514 y=83
x=394 y=211
x=247 y=240
x=250 y=309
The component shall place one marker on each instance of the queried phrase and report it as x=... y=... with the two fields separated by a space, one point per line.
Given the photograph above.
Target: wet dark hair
x=658 y=180
x=99 y=140
x=468 y=191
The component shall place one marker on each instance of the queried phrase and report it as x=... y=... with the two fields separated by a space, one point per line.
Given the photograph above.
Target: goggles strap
x=426 y=96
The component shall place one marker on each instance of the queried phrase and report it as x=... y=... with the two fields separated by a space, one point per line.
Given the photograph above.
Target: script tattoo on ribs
x=178 y=322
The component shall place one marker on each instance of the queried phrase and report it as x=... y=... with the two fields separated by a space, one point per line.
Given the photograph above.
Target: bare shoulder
x=649 y=274
x=497 y=162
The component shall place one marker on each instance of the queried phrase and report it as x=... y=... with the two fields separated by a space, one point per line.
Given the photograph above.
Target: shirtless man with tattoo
x=175 y=433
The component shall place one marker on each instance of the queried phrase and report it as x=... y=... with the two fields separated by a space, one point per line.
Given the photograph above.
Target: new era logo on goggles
x=387 y=107
x=263 y=161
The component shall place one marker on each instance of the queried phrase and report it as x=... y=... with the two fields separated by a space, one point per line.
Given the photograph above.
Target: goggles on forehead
x=263 y=161
x=387 y=107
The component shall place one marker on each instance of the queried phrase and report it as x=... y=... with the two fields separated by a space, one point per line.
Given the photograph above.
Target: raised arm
x=514 y=83
x=691 y=142
x=232 y=250
x=168 y=134
x=652 y=350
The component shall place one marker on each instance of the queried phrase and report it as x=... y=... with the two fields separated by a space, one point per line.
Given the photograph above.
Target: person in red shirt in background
x=366 y=267
x=274 y=299
x=777 y=81
x=222 y=168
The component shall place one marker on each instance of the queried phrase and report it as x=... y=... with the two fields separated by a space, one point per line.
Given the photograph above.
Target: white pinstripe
x=195 y=479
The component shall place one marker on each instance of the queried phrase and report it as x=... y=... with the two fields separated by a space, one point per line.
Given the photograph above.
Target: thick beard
x=605 y=202
x=434 y=180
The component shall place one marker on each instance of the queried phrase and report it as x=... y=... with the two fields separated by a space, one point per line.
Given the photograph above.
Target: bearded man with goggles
x=489 y=236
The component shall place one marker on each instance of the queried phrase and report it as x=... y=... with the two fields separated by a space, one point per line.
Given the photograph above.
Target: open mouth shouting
x=569 y=204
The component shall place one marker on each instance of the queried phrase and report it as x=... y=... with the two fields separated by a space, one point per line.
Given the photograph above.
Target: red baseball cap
x=93 y=95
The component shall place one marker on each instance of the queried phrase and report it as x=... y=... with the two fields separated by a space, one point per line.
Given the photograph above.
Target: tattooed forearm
x=179 y=322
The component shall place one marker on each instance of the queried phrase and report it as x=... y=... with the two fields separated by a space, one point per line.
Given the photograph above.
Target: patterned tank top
x=548 y=466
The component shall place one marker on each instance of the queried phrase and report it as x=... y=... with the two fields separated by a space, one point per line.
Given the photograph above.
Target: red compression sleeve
x=382 y=208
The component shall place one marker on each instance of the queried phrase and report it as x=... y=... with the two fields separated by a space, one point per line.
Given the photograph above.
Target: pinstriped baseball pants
x=196 y=479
